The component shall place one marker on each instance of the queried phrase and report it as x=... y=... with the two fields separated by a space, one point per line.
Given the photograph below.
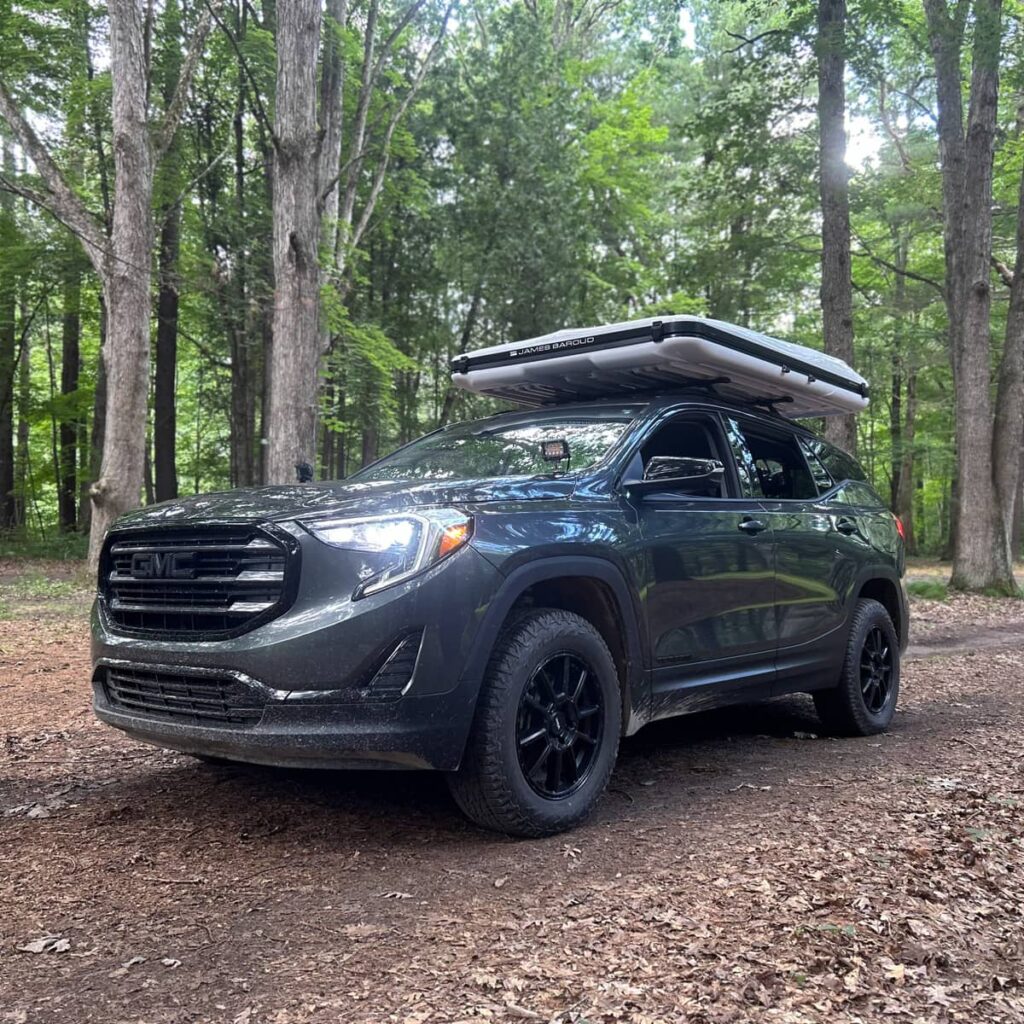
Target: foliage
x=644 y=157
x=928 y=590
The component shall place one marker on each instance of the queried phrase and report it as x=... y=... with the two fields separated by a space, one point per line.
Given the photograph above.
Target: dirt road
x=739 y=869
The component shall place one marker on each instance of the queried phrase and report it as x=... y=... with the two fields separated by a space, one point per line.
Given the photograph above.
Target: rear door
x=709 y=587
x=818 y=552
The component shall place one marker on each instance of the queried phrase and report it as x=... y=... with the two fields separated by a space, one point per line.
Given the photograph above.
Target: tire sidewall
x=871 y=614
x=561 y=636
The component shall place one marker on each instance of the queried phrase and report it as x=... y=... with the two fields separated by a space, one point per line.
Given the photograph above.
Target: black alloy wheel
x=863 y=701
x=546 y=729
x=559 y=726
x=876 y=670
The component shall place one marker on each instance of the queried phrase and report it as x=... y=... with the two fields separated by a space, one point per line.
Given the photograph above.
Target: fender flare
x=521 y=579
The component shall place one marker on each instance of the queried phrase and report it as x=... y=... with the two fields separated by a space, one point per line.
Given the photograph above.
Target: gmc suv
x=504 y=599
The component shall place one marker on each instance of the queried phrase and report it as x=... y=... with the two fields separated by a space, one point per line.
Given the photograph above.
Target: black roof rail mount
x=770 y=402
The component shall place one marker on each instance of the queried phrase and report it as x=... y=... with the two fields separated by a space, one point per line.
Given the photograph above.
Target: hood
x=263 y=504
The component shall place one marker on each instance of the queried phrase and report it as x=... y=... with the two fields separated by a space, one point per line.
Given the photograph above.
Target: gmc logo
x=176 y=565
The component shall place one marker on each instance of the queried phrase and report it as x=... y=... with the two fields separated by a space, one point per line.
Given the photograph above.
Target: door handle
x=752 y=526
x=847 y=526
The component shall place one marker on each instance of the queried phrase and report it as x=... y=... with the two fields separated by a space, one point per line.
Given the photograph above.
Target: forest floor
x=740 y=867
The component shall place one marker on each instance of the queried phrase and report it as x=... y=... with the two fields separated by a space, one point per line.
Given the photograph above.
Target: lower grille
x=192 y=699
x=202 y=583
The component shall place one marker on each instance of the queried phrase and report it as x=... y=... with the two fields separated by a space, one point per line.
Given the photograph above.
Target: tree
x=122 y=262
x=8 y=349
x=836 y=282
x=317 y=201
x=1008 y=430
x=966 y=156
x=294 y=363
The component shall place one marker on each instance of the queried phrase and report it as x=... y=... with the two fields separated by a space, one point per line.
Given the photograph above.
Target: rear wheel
x=864 y=702
x=546 y=731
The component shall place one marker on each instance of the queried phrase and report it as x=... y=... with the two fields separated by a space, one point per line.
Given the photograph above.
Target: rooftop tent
x=659 y=354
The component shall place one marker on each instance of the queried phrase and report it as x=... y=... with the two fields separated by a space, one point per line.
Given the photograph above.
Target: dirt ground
x=740 y=868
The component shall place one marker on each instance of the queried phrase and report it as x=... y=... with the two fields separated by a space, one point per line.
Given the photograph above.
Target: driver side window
x=686 y=437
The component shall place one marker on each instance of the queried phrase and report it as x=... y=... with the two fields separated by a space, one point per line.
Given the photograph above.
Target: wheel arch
x=886 y=588
x=593 y=588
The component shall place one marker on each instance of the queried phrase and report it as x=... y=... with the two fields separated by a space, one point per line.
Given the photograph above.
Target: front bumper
x=312 y=671
x=412 y=732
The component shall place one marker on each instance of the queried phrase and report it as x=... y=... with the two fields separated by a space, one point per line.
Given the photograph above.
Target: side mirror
x=680 y=475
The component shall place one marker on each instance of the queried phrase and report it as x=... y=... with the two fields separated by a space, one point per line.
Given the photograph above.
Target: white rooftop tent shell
x=659 y=354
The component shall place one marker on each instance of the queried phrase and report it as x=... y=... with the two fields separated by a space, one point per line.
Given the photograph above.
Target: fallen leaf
x=47 y=944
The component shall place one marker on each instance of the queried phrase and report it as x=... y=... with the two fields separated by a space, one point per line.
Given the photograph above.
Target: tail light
x=900 y=528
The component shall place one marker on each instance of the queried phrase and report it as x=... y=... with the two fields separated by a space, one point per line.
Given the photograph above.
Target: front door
x=709 y=579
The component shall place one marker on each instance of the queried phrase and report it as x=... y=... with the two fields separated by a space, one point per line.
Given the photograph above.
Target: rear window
x=831 y=466
x=856 y=492
x=836 y=462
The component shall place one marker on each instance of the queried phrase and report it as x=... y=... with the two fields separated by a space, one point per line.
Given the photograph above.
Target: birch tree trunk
x=295 y=351
x=836 y=281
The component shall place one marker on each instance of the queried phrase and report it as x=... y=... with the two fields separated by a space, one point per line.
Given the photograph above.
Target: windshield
x=482 y=450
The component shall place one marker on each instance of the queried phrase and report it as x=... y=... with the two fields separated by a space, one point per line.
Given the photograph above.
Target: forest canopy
x=476 y=172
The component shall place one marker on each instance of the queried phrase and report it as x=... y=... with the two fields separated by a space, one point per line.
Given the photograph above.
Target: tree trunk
x=836 y=282
x=23 y=455
x=1017 y=530
x=70 y=366
x=165 y=424
x=467 y=334
x=978 y=560
x=127 y=279
x=165 y=472
x=8 y=352
x=1009 y=419
x=904 y=498
x=244 y=362
x=895 y=429
x=99 y=414
x=295 y=354
x=370 y=441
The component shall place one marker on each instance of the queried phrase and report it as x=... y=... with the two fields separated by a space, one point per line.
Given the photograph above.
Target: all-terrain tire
x=491 y=786
x=857 y=706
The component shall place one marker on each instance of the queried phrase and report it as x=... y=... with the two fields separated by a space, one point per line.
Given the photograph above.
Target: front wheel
x=869 y=685
x=546 y=730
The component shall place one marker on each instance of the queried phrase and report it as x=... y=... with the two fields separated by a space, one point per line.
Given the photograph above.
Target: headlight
x=398 y=546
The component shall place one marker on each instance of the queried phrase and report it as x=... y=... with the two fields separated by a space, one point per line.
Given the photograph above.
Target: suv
x=504 y=599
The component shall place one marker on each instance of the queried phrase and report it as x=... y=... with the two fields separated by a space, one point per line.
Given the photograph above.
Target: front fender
x=519 y=580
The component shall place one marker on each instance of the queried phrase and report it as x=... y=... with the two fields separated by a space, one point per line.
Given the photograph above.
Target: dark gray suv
x=504 y=599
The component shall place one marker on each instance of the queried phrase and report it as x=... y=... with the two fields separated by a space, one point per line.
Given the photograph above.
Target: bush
x=58 y=546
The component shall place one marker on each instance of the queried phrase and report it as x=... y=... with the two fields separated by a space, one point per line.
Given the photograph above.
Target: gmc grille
x=194 y=584
x=193 y=699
